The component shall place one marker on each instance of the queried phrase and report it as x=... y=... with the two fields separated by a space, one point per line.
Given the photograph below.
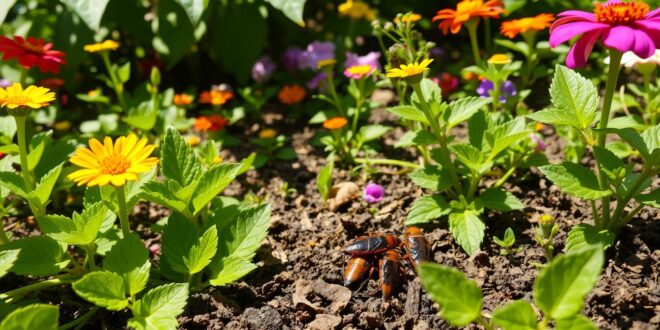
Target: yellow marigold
x=359 y=71
x=511 y=29
x=335 y=123
x=215 y=97
x=408 y=18
x=499 y=59
x=324 y=63
x=356 y=10
x=291 y=94
x=33 y=97
x=182 y=100
x=101 y=46
x=267 y=133
x=193 y=141
x=114 y=164
x=466 y=10
x=409 y=70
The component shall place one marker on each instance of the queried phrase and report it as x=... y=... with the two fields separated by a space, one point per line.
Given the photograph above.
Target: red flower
x=211 y=123
x=32 y=52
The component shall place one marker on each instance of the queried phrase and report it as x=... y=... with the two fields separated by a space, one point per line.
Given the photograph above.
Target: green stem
x=14 y=295
x=495 y=94
x=624 y=221
x=21 y=123
x=358 y=105
x=385 y=161
x=474 y=182
x=487 y=34
x=505 y=177
x=90 y=251
x=612 y=76
x=123 y=211
x=594 y=211
x=333 y=93
x=80 y=321
x=472 y=30
x=621 y=203
x=118 y=86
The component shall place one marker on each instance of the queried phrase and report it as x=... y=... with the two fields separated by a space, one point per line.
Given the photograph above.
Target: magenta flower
x=373 y=193
x=263 y=69
x=623 y=26
x=370 y=59
x=539 y=145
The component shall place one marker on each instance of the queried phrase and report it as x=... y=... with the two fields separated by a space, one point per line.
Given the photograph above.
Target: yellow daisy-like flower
x=359 y=71
x=267 y=133
x=499 y=59
x=34 y=97
x=409 y=70
x=109 y=163
x=356 y=10
x=101 y=46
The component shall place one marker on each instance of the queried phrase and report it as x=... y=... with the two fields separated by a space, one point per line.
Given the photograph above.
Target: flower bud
x=155 y=76
x=546 y=222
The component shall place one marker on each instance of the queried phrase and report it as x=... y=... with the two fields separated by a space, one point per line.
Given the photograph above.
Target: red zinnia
x=211 y=123
x=32 y=52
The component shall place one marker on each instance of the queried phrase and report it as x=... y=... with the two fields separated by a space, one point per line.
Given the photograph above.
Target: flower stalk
x=123 y=211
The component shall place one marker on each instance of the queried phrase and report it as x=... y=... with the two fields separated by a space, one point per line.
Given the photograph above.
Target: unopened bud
x=155 y=76
x=546 y=222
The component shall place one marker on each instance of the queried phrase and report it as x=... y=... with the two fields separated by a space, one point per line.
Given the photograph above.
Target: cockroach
x=389 y=272
x=372 y=245
x=417 y=247
x=357 y=270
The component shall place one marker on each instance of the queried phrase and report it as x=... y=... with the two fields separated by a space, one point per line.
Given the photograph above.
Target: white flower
x=630 y=60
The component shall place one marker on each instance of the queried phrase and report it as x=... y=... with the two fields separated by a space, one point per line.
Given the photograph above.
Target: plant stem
x=118 y=86
x=81 y=320
x=472 y=30
x=90 y=251
x=594 y=211
x=612 y=76
x=21 y=123
x=617 y=220
x=333 y=92
x=358 y=105
x=14 y=295
x=123 y=211
x=385 y=161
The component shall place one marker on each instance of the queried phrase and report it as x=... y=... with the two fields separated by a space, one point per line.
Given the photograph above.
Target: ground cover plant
x=329 y=164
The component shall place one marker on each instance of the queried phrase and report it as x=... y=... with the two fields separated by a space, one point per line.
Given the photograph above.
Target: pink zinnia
x=32 y=52
x=623 y=26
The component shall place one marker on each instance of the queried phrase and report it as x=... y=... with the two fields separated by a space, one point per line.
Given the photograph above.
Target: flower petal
x=620 y=37
x=563 y=33
x=578 y=55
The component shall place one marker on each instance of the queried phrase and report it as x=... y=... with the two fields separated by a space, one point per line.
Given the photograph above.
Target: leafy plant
x=506 y=243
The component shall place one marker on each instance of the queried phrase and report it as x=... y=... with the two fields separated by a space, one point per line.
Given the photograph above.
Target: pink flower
x=370 y=59
x=623 y=26
x=373 y=193
x=539 y=145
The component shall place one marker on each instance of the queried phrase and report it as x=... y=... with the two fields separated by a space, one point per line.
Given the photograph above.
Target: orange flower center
x=114 y=164
x=621 y=13
x=33 y=48
x=18 y=99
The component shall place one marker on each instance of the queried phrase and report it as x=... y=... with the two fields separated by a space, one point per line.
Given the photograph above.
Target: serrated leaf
x=463 y=109
x=431 y=91
x=179 y=235
x=231 y=270
x=431 y=177
x=409 y=112
x=578 y=322
x=420 y=138
x=90 y=11
x=38 y=256
x=426 y=209
x=584 y=236
x=159 y=308
x=41 y=194
x=160 y=193
x=501 y=137
x=560 y=288
x=134 y=188
x=471 y=157
x=102 y=288
x=293 y=9
x=178 y=160
x=500 y=200
x=372 y=132
x=35 y=316
x=468 y=230
x=7 y=260
x=14 y=183
x=607 y=159
x=575 y=179
x=194 y=9
x=516 y=315
x=201 y=253
x=212 y=182
x=81 y=230
x=130 y=259
x=460 y=299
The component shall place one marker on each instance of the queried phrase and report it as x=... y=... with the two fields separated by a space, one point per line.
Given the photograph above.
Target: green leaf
x=7 y=260
x=607 y=159
x=124 y=72
x=143 y=116
x=212 y=182
x=431 y=177
x=82 y=230
x=37 y=146
x=130 y=259
x=5 y=6
x=178 y=160
x=102 y=288
x=239 y=239
x=578 y=322
x=575 y=179
x=431 y=91
x=162 y=194
x=324 y=179
x=501 y=137
x=575 y=97
x=179 y=235
x=159 y=308
x=41 y=194
x=90 y=11
x=426 y=209
x=35 y=316
x=293 y=9
x=232 y=269
x=134 y=188
x=285 y=154
x=516 y=315
x=460 y=299
x=463 y=109
x=651 y=199
x=201 y=253
x=372 y=132
x=194 y=9
x=584 y=236
x=468 y=230
x=38 y=256
x=420 y=138
x=471 y=157
x=500 y=200
x=560 y=288
x=14 y=183
x=409 y=112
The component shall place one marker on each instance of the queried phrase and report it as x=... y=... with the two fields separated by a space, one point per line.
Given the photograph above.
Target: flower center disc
x=114 y=164
x=37 y=49
x=621 y=12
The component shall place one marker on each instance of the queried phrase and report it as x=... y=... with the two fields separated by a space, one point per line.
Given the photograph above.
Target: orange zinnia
x=215 y=97
x=465 y=11
x=212 y=123
x=335 y=123
x=511 y=29
x=291 y=94
x=182 y=100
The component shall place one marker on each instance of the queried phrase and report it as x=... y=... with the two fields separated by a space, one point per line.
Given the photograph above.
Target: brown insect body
x=372 y=245
x=389 y=267
x=418 y=248
x=357 y=270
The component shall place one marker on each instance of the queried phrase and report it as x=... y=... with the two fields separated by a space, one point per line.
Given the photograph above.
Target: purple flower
x=263 y=69
x=373 y=193
x=538 y=142
x=4 y=83
x=315 y=52
x=291 y=59
x=318 y=81
x=370 y=59
x=508 y=89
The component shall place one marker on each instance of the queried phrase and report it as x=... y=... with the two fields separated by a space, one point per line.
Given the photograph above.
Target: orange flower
x=211 y=123
x=182 y=100
x=291 y=94
x=511 y=29
x=465 y=11
x=51 y=83
x=335 y=123
x=215 y=97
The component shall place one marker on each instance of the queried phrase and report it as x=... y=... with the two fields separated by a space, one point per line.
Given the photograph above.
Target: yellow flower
x=101 y=46
x=34 y=97
x=538 y=127
x=499 y=59
x=409 y=70
x=356 y=10
x=193 y=141
x=267 y=133
x=62 y=125
x=327 y=62
x=109 y=163
x=217 y=160
x=408 y=18
x=359 y=71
